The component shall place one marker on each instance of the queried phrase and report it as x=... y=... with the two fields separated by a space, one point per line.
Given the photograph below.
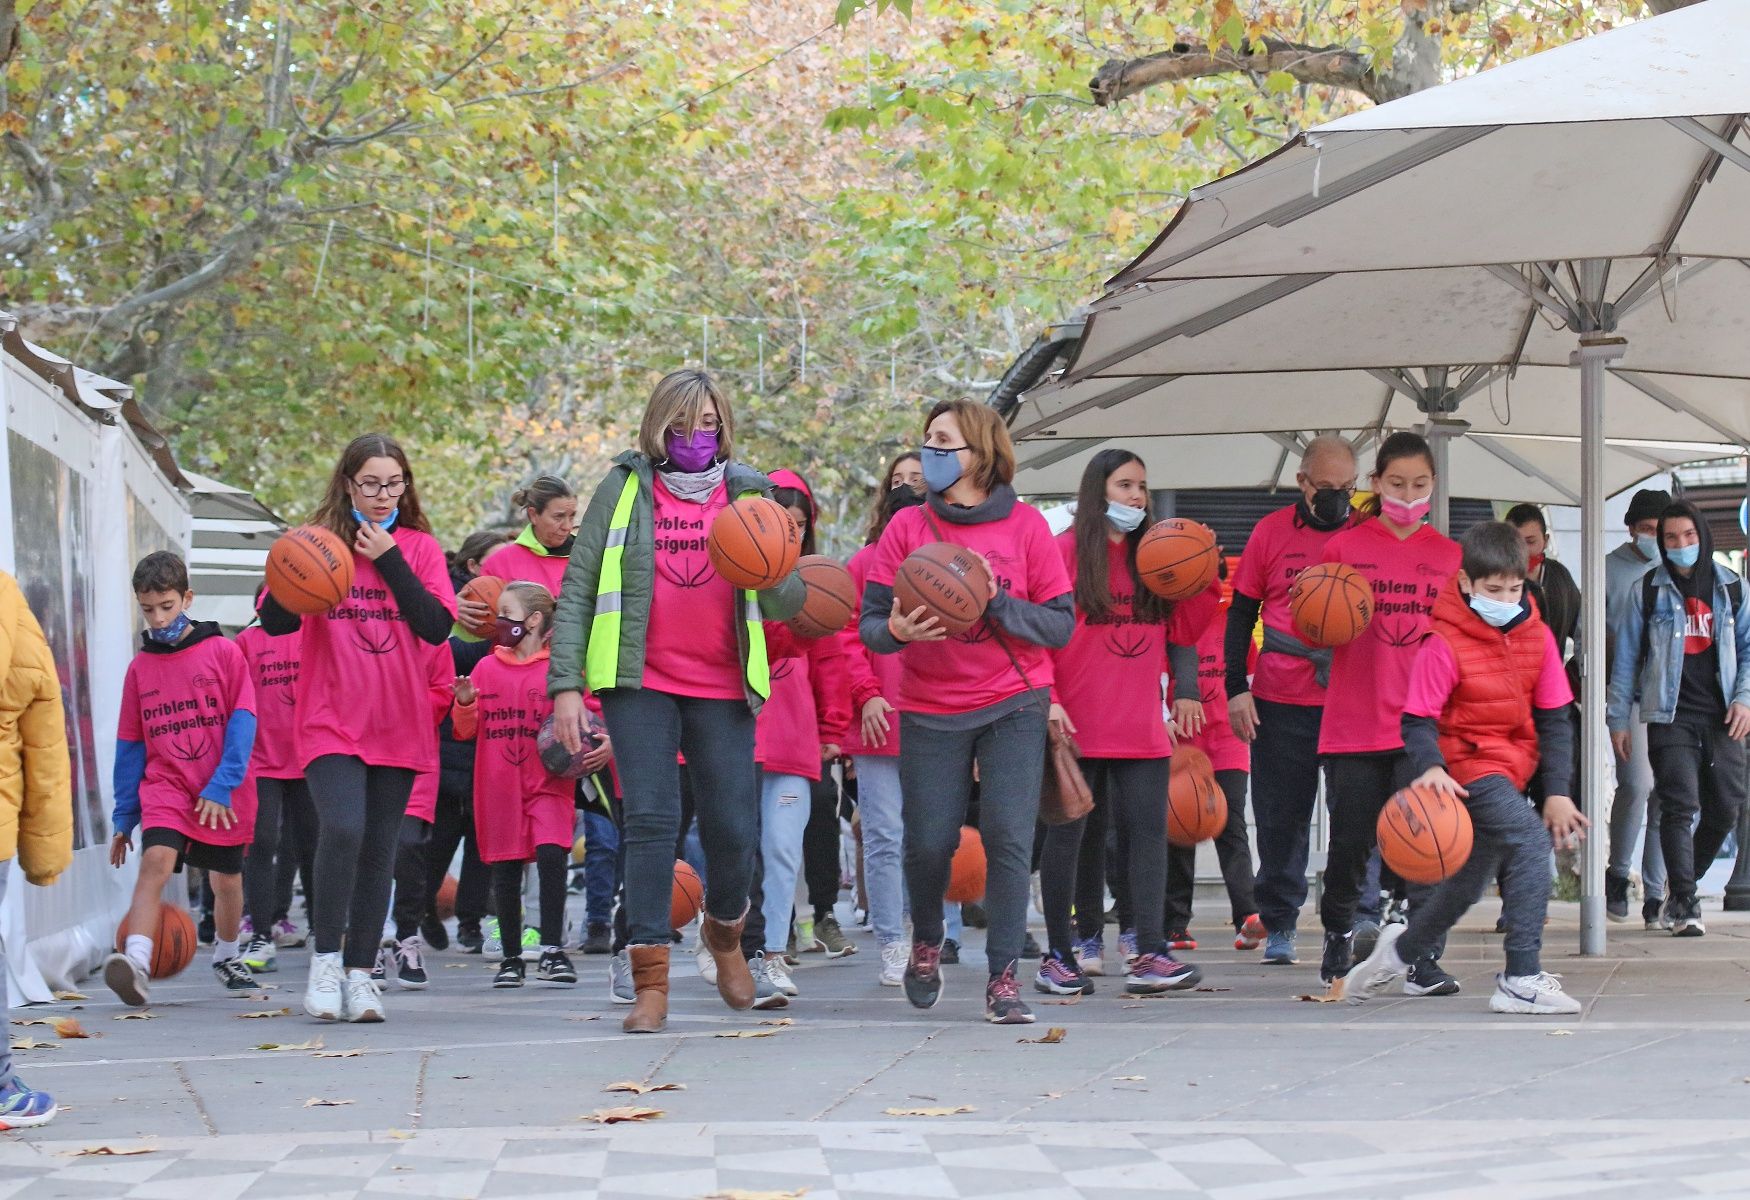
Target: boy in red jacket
x=1488 y=701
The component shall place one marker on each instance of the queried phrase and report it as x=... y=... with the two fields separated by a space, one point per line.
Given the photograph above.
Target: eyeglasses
x=395 y=487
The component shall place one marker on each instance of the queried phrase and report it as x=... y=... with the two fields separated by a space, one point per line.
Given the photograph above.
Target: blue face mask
x=1495 y=612
x=942 y=468
x=1647 y=544
x=1685 y=556
x=388 y=521
x=1123 y=517
x=171 y=633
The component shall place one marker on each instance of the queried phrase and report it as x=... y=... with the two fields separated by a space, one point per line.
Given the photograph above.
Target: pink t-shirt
x=441 y=677
x=178 y=705
x=273 y=670
x=1280 y=548
x=1109 y=676
x=690 y=648
x=870 y=674
x=1226 y=751
x=517 y=804
x=970 y=671
x=1370 y=677
x=1435 y=674
x=513 y=561
x=363 y=689
x=808 y=708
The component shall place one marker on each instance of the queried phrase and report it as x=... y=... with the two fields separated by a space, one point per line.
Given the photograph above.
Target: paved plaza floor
x=1237 y=1090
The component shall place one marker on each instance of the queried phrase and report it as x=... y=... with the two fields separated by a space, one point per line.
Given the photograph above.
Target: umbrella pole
x=1596 y=352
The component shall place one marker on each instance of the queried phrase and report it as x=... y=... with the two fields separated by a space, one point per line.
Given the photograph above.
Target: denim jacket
x=1654 y=681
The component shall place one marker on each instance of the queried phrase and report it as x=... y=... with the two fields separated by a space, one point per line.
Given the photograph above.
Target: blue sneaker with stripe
x=22 y=1108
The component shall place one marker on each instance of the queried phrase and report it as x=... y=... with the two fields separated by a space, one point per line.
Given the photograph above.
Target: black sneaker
x=434 y=933
x=1616 y=897
x=1428 y=978
x=1685 y=912
x=205 y=933
x=1339 y=955
x=469 y=939
x=599 y=940
x=923 y=975
x=973 y=914
x=233 y=976
x=510 y=973
x=950 y=952
x=1030 y=949
x=1656 y=914
x=555 y=968
x=1002 y=1000
x=409 y=966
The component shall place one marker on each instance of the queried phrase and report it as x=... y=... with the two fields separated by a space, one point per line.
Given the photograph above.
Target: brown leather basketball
x=1177 y=558
x=486 y=589
x=949 y=582
x=309 y=569
x=173 y=941
x=1424 y=834
x=754 y=543
x=831 y=601
x=1196 y=805
x=1330 y=604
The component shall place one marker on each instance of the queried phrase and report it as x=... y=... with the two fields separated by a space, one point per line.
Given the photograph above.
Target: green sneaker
x=260 y=955
x=831 y=940
x=493 y=946
x=531 y=945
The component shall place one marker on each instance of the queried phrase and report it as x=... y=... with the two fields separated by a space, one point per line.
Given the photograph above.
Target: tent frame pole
x=1593 y=358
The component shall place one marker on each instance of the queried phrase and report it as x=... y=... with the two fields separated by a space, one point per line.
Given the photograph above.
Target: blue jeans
x=785 y=804
x=883 y=823
x=1285 y=785
x=601 y=867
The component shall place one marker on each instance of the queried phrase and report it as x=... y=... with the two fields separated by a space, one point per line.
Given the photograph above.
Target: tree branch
x=1325 y=66
x=50 y=195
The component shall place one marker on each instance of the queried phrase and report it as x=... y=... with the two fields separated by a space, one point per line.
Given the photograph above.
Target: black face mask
x=1328 y=510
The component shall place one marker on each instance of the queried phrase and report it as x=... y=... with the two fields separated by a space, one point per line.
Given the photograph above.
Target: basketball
x=1177 y=558
x=1330 y=604
x=754 y=543
x=688 y=899
x=486 y=589
x=309 y=569
x=173 y=943
x=560 y=762
x=1196 y=805
x=950 y=582
x=966 y=874
x=445 y=903
x=831 y=601
x=1424 y=834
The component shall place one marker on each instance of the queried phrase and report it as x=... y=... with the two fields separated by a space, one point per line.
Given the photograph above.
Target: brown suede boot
x=723 y=940
x=650 y=985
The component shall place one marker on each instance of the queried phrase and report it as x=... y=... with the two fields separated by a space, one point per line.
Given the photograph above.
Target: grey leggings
x=358 y=813
x=935 y=771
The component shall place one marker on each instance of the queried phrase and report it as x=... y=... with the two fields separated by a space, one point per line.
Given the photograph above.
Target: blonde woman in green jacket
x=678 y=658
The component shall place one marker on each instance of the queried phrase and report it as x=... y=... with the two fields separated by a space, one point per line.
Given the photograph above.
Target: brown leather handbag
x=1064 y=794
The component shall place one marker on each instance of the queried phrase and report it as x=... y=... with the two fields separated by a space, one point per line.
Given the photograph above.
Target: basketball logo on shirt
x=1127 y=642
x=684 y=571
x=375 y=642
x=191 y=748
x=781 y=669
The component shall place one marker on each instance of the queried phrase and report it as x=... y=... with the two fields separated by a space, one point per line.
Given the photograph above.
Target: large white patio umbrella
x=1584 y=207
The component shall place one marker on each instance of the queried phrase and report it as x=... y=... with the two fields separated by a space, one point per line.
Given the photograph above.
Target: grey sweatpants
x=1509 y=837
x=1635 y=802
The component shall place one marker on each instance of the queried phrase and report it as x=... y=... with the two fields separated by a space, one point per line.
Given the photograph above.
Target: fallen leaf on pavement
x=399 y=1135
x=744 y=1194
x=319 y=1102
x=69 y=1028
x=314 y=1043
x=459 y=966
x=1326 y=998
x=136 y=1016
x=1065 y=1000
x=1052 y=1036
x=1051 y=1095
x=83 y=996
x=929 y=1112
x=1561 y=1033
x=628 y=1112
x=109 y=1151
x=33 y=1044
x=333 y=1053
x=269 y=1012
x=1129 y=1078
x=31 y=1021
x=781 y=1021
x=748 y=1033
x=1204 y=989
x=638 y=1089
x=591 y=1017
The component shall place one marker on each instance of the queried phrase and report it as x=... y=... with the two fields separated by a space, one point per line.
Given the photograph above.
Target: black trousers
x=1696 y=768
x=453 y=825
x=358 y=809
x=820 y=846
x=281 y=805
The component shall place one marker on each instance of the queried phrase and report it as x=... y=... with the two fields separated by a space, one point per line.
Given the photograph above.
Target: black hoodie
x=1698 y=695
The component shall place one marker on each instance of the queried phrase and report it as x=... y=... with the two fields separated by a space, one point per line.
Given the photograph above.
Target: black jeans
x=820 y=846
x=281 y=805
x=1233 y=849
x=297 y=849
x=453 y=825
x=1285 y=786
x=358 y=811
x=1359 y=786
x=649 y=728
x=551 y=867
x=1696 y=768
x=1130 y=793
x=412 y=870
x=935 y=771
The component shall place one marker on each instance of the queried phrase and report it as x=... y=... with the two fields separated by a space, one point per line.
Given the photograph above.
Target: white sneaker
x=620 y=979
x=127 y=979
x=1538 y=995
x=894 y=956
x=364 y=1003
x=325 y=994
x=1378 y=970
x=707 y=965
x=778 y=968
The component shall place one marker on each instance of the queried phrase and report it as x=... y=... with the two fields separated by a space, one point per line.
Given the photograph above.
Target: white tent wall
x=83 y=501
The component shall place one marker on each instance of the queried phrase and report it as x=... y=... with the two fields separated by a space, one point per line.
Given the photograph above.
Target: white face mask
x=1123 y=517
x=1495 y=612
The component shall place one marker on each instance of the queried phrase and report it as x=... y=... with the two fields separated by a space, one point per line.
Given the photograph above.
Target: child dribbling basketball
x=182 y=773
x=1488 y=705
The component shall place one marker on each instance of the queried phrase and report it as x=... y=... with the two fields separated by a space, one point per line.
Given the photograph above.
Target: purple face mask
x=693 y=453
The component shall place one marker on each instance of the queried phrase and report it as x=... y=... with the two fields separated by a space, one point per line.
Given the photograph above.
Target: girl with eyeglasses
x=362 y=705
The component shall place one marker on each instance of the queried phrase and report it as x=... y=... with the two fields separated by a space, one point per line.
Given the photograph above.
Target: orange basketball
x=486 y=589
x=309 y=569
x=1330 y=604
x=1424 y=834
x=173 y=944
x=831 y=600
x=949 y=581
x=688 y=898
x=754 y=543
x=445 y=902
x=1196 y=805
x=1177 y=558
x=966 y=874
